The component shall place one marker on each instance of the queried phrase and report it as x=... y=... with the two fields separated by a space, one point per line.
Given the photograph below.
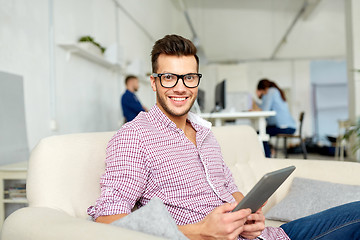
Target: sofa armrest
x=323 y=170
x=37 y=223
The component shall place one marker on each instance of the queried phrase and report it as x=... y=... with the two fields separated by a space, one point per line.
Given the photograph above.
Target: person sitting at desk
x=130 y=104
x=273 y=99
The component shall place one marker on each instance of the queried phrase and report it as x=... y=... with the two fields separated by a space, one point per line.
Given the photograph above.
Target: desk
x=16 y=171
x=258 y=116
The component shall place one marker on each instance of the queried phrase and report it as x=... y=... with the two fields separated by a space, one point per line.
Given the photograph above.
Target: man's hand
x=254 y=225
x=219 y=224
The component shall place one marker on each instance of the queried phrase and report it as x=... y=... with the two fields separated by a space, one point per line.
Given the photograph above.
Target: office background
x=241 y=41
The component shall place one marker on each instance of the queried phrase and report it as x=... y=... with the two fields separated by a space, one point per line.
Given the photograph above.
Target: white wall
x=86 y=93
x=301 y=96
x=85 y=96
x=24 y=51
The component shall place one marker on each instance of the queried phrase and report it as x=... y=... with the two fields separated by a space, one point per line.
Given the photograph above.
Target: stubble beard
x=167 y=109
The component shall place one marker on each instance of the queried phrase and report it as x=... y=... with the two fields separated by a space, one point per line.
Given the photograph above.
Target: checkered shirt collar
x=157 y=116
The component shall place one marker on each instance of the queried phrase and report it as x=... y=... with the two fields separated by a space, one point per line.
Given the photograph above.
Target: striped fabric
x=150 y=157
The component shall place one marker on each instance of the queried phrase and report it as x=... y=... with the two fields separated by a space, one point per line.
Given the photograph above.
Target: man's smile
x=178 y=99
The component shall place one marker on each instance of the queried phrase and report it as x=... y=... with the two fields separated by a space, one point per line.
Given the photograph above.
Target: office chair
x=299 y=136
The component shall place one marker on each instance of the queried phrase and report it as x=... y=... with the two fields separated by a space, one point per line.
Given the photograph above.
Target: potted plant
x=353 y=135
x=88 y=43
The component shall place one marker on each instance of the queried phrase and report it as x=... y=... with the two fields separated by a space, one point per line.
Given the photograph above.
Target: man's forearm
x=111 y=218
x=192 y=231
x=238 y=196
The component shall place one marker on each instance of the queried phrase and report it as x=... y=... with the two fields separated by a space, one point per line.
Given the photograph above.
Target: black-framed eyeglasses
x=169 y=80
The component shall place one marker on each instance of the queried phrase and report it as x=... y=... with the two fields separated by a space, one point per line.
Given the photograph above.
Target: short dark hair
x=174 y=45
x=128 y=77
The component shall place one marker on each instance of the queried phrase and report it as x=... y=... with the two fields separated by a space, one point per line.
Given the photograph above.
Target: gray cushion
x=307 y=196
x=154 y=219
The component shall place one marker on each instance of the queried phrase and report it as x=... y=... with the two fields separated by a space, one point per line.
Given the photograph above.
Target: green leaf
x=91 y=39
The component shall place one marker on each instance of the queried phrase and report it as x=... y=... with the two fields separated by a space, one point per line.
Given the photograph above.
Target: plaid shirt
x=150 y=157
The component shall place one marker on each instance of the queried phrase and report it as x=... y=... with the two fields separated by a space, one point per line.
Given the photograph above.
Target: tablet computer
x=263 y=189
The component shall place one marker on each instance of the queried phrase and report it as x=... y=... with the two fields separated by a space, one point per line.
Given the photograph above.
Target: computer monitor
x=201 y=99
x=220 y=96
x=238 y=101
x=13 y=140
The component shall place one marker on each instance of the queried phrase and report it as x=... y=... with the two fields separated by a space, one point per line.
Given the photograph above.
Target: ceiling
x=231 y=31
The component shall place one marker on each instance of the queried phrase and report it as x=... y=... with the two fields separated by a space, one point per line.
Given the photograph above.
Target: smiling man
x=171 y=154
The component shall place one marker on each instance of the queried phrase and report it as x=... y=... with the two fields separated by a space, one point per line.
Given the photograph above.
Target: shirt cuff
x=271 y=233
x=107 y=210
x=232 y=189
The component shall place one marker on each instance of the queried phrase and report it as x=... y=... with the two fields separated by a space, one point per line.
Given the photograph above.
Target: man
x=171 y=154
x=130 y=104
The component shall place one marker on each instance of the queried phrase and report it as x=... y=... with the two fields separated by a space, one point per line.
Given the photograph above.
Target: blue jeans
x=342 y=222
x=273 y=131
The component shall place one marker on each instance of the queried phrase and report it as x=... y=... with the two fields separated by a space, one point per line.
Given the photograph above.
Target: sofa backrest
x=243 y=154
x=64 y=171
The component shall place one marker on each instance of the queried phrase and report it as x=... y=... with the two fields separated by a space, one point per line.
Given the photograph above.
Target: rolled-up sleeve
x=271 y=233
x=124 y=180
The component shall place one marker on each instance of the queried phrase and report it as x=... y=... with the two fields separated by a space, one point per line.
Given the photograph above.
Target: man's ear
x=152 y=81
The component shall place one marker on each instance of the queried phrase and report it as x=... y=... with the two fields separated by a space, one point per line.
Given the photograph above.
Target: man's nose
x=180 y=87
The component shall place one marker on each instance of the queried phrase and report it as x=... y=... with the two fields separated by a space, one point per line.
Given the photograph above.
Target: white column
x=352 y=13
